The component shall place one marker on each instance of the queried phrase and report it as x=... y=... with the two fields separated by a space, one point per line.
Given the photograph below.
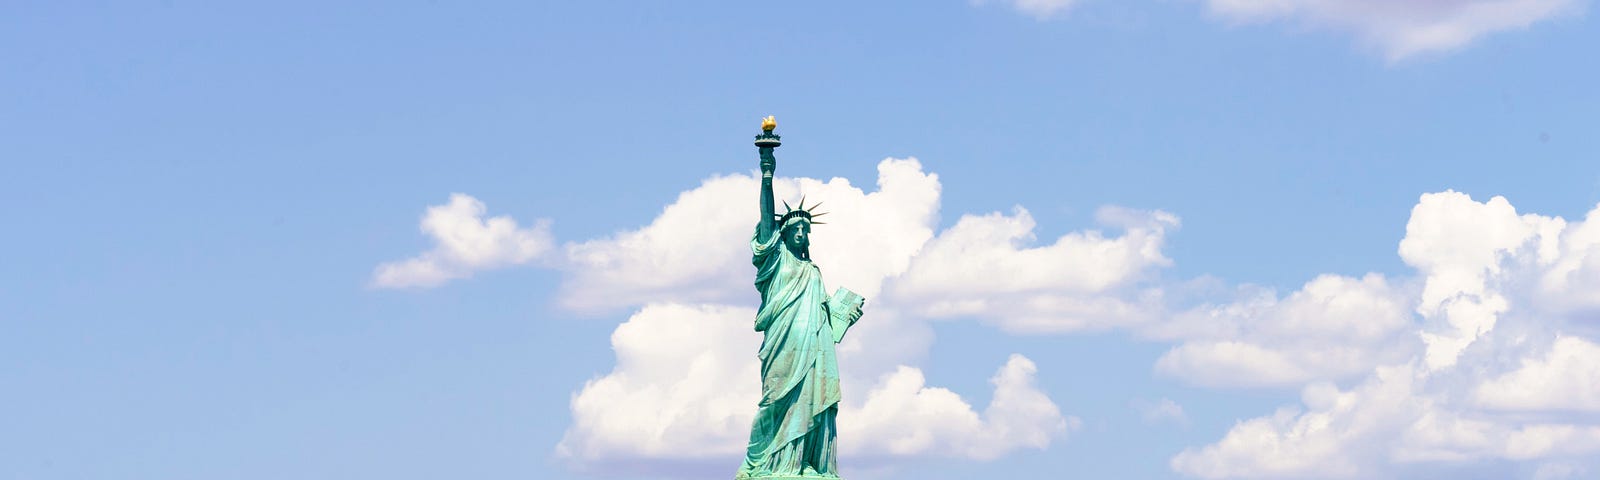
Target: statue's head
x=795 y=228
x=797 y=238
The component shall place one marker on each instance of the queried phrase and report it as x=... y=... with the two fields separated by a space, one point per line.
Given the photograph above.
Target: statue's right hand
x=768 y=163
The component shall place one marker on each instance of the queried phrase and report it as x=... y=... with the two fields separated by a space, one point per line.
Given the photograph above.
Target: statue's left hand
x=855 y=313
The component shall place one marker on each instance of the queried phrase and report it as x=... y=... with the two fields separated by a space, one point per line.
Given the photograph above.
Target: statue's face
x=798 y=238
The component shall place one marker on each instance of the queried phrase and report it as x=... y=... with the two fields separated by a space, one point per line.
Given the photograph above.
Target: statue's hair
x=798 y=214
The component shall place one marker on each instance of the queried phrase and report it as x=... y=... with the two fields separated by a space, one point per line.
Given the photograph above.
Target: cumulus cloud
x=1041 y=9
x=1497 y=375
x=1333 y=328
x=672 y=402
x=1570 y=280
x=464 y=242
x=984 y=267
x=684 y=386
x=682 y=395
x=1402 y=29
x=1338 y=436
x=903 y=416
x=1487 y=353
x=684 y=390
x=1465 y=250
x=697 y=251
x=1567 y=377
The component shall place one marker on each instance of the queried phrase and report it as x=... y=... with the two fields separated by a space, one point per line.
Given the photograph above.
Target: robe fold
x=793 y=433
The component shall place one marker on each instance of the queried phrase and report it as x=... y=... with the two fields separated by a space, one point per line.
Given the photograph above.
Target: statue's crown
x=798 y=214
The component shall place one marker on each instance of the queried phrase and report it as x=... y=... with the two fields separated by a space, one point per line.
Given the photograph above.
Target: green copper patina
x=793 y=433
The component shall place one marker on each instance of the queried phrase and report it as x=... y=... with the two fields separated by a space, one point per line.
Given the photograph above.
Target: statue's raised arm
x=767 y=142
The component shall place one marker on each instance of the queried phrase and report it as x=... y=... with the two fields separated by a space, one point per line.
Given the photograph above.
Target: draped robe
x=793 y=433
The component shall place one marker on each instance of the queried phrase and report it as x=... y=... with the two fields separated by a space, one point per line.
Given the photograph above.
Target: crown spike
x=786 y=207
x=815 y=215
x=802 y=203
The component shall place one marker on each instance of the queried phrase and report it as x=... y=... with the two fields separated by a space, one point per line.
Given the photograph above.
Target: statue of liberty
x=793 y=433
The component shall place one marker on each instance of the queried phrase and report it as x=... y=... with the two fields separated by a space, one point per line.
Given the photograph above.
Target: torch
x=767 y=141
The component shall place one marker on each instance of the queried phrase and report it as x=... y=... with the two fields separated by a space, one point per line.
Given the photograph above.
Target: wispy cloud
x=1041 y=9
x=1163 y=411
x=1402 y=29
x=1397 y=29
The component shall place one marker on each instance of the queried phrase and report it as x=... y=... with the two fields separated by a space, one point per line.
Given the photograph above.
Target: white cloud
x=983 y=267
x=1498 y=378
x=1041 y=9
x=1340 y=435
x=1482 y=356
x=465 y=242
x=1403 y=29
x=686 y=384
x=697 y=251
x=1567 y=377
x=1333 y=328
x=1232 y=364
x=683 y=392
x=1571 y=279
x=903 y=416
x=1459 y=246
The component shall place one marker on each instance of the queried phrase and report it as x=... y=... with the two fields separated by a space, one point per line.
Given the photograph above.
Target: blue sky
x=200 y=199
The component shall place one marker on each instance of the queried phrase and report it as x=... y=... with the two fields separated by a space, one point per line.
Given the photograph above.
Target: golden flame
x=769 y=123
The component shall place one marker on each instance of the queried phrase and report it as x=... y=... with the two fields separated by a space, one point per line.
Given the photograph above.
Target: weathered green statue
x=793 y=434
